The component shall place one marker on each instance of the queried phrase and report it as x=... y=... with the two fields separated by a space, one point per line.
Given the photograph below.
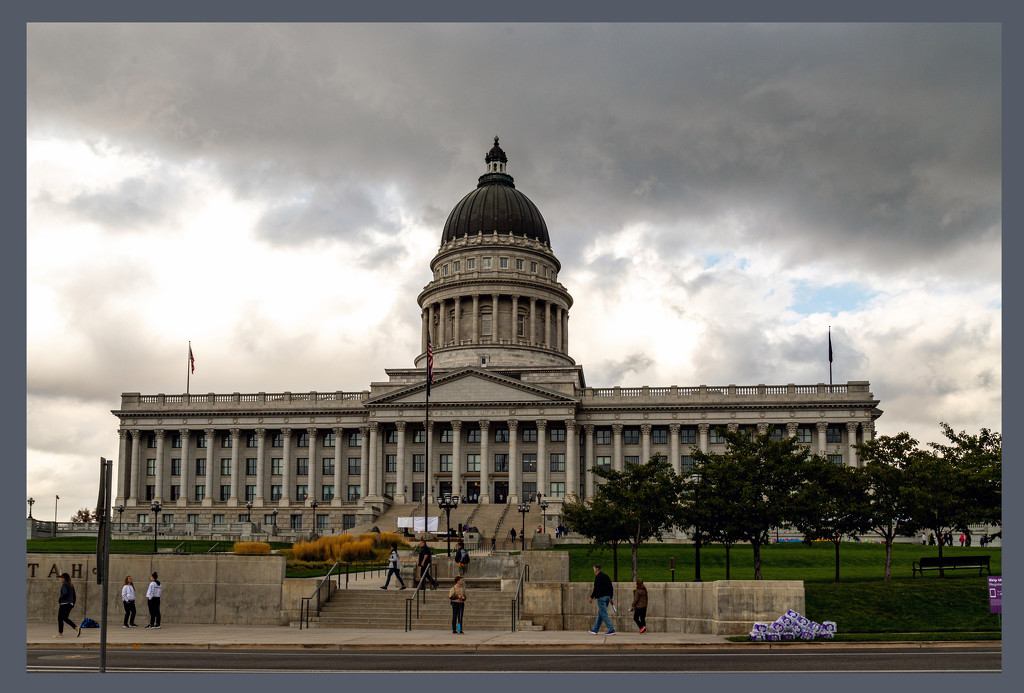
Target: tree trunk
x=615 y=562
x=727 y=547
x=942 y=540
x=836 y=542
x=757 y=559
x=634 y=547
x=696 y=558
x=888 y=557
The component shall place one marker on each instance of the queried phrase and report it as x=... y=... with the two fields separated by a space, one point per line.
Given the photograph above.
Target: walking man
x=604 y=594
x=394 y=568
x=425 y=564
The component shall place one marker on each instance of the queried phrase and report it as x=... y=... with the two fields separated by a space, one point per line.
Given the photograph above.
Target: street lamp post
x=523 y=509
x=313 y=505
x=248 y=510
x=31 y=502
x=120 y=525
x=448 y=502
x=543 y=513
x=55 y=499
x=156 y=507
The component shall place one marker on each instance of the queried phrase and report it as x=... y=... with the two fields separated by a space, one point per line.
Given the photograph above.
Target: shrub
x=251 y=547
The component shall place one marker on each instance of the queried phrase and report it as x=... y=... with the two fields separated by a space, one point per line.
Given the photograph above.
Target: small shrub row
x=345 y=548
x=251 y=547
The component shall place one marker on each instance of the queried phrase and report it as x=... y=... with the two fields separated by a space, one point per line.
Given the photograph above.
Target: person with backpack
x=394 y=568
x=153 y=601
x=65 y=603
x=462 y=558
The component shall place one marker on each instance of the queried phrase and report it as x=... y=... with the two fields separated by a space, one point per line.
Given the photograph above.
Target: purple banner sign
x=995 y=594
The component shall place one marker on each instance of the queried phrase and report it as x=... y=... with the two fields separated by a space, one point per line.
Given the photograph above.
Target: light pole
x=543 y=512
x=55 y=499
x=120 y=525
x=313 y=505
x=523 y=509
x=248 y=510
x=448 y=502
x=156 y=507
x=31 y=502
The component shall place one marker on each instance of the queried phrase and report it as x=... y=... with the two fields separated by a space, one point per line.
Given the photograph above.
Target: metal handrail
x=305 y=605
x=374 y=568
x=419 y=592
x=517 y=601
x=215 y=545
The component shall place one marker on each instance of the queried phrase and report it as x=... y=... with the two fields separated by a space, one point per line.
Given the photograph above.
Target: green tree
x=767 y=474
x=831 y=503
x=85 y=516
x=712 y=508
x=885 y=463
x=596 y=519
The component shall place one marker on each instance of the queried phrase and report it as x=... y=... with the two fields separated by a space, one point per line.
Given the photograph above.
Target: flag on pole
x=192 y=359
x=430 y=364
x=830 y=344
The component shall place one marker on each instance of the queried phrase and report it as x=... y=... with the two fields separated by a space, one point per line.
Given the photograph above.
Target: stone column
x=457 y=337
x=401 y=470
x=617 y=447
x=533 y=323
x=851 y=433
x=589 y=461
x=376 y=468
x=822 y=426
x=286 y=468
x=485 y=462
x=364 y=463
x=159 y=491
x=543 y=463
x=547 y=324
x=261 y=467
x=558 y=328
x=314 y=466
x=340 y=477
x=762 y=428
x=702 y=436
x=515 y=465
x=135 y=481
x=673 y=448
x=572 y=459
x=212 y=470
x=187 y=473
x=476 y=325
x=457 y=453
x=424 y=328
x=442 y=326
x=645 y=443
x=495 y=337
x=515 y=319
x=430 y=325
x=565 y=331
x=123 y=479
x=237 y=472
x=791 y=428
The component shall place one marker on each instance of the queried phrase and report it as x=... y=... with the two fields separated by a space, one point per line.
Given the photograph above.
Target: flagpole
x=426 y=436
x=188 y=364
x=830 y=355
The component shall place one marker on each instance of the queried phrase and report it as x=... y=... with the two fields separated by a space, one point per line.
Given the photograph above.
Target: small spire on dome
x=495 y=157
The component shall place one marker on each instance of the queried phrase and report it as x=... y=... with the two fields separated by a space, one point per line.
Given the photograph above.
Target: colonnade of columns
x=546 y=323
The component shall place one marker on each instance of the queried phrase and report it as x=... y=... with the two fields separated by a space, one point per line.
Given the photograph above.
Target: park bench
x=950 y=563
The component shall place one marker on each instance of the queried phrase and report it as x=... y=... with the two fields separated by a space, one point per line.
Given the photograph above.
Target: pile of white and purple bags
x=792 y=626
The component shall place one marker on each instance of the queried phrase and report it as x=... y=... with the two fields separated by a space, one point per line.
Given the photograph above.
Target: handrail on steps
x=419 y=593
x=305 y=606
x=517 y=601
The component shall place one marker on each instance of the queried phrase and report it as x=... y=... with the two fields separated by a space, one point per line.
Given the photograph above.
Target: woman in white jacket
x=153 y=600
x=128 y=598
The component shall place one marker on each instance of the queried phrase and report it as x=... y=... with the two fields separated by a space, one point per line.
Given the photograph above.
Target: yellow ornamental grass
x=251 y=547
x=361 y=550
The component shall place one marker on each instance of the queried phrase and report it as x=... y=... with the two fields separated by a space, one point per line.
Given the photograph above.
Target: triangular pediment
x=473 y=386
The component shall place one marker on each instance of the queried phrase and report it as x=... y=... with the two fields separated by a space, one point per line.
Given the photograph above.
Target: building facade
x=510 y=415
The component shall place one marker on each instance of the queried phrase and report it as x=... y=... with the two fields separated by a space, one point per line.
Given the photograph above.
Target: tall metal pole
x=426 y=434
x=103 y=574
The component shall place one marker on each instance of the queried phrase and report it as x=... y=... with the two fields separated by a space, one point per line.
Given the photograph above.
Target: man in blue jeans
x=603 y=593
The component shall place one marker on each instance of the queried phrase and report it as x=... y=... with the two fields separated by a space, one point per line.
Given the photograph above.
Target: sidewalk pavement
x=211 y=636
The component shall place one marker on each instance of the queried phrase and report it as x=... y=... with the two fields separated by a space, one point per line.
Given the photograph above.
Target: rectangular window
x=501 y=463
x=150 y=467
x=151 y=440
x=529 y=435
x=557 y=462
x=604 y=462
x=270 y=519
x=200 y=492
x=277 y=440
x=175 y=466
x=686 y=465
x=243 y=517
x=803 y=434
x=302 y=466
x=355 y=465
x=218 y=518
x=472 y=463
x=302 y=440
x=390 y=463
x=444 y=270
x=355 y=439
x=391 y=436
x=225 y=440
x=327 y=466
x=833 y=434
x=446 y=463
x=276 y=466
x=519 y=264
x=529 y=462
x=353 y=492
x=322 y=522
x=446 y=435
x=631 y=459
x=296 y=522
x=251 y=440
x=327 y=492
x=473 y=435
x=225 y=491
x=200 y=440
x=167 y=519
x=471 y=263
x=457 y=265
x=486 y=263
x=417 y=491
x=717 y=436
x=631 y=436
x=836 y=460
x=348 y=521
x=529 y=490
x=419 y=463
x=225 y=466
x=175 y=440
x=175 y=492
x=328 y=440
x=556 y=435
x=503 y=263
x=275 y=492
x=389 y=488
x=301 y=492
x=659 y=436
x=557 y=489
x=193 y=518
x=533 y=267
x=501 y=435
x=142 y=519
x=250 y=492
x=777 y=433
x=419 y=435
x=250 y=466
x=688 y=435
x=603 y=436
x=485 y=324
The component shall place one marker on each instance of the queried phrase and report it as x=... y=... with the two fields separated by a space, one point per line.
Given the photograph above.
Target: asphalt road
x=934 y=659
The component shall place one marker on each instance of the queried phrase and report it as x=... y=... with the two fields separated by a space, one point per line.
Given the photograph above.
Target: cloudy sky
x=718 y=195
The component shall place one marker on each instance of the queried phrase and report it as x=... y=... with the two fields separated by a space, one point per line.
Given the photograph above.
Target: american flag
x=430 y=364
x=191 y=358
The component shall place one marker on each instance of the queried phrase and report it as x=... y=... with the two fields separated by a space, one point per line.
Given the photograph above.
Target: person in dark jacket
x=639 y=606
x=462 y=558
x=424 y=563
x=604 y=594
x=65 y=602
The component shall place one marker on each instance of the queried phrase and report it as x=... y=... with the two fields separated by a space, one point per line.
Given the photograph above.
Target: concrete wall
x=719 y=608
x=545 y=566
x=207 y=588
